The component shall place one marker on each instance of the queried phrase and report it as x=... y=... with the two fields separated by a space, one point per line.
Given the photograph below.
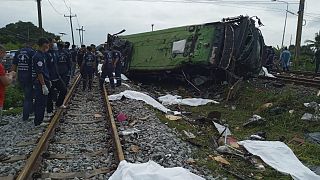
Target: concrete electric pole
x=299 y=30
x=39 y=16
x=81 y=35
x=70 y=17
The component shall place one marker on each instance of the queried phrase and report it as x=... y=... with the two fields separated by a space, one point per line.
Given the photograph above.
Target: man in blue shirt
x=22 y=63
x=64 y=63
x=56 y=81
x=42 y=81
x=107 y=68
x=73 y=53
x=285 y=59
x=88 y=68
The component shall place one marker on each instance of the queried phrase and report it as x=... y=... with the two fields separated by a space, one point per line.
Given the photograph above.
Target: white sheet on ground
x=264 y=72
x=171 y=99
x=141 y=97
x=279 y=156
x=151 y=171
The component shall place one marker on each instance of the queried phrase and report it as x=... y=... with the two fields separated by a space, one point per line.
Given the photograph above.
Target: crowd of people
x=44 y=74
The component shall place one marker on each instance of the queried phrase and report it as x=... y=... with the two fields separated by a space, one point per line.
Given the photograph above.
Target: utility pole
x=39 y=16
x=299 y=30
x=81 y=35
x=70 y=17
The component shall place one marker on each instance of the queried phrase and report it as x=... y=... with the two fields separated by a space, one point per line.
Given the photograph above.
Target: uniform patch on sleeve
x=40 y=63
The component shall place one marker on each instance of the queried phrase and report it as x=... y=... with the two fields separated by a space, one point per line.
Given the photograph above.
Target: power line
x=54 y=8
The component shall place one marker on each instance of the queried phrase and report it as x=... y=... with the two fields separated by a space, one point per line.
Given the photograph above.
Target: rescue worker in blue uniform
x=64 y=63
x=68 y=55
x=107 y=68
x=95 y=53
x=42 y=81
x=57 y=84
x=22 y=63
x=88 y=68
x=73 y=53
x=117 y=64
x=80 y=55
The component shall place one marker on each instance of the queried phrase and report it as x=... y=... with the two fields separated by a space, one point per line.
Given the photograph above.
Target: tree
x=314 y=44
x=16 y=34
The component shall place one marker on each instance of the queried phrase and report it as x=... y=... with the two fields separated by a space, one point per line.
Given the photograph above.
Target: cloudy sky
x=100 y=17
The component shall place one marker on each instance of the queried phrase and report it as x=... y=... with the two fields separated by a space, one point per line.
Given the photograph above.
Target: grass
x=13 y=100
x=280 y=123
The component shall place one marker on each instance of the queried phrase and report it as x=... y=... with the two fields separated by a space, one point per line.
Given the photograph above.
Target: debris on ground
x=98 y=115
x=296 y=140
x=223 y=130
x=277 y=110
x=264 y=107
x=173 y=117
x=189 y=134
x=151 y=171
x=260 y=136
x=134 y=148
x=172 y=100
x=264 y=72
x=280 y=157
x=122 y=117
x=254 y=120
x=309 y=117
x=129 y=131
x=257 y=163
x=313 y=137
x=219 y=159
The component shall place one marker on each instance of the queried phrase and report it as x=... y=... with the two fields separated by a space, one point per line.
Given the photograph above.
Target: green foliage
x=14 y=35
x=12 y=46
x=13 y=97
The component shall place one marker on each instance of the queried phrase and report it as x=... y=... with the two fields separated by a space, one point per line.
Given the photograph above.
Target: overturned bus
x=234 y=45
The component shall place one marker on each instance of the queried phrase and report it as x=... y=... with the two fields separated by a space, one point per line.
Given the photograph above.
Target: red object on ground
x=122 y=117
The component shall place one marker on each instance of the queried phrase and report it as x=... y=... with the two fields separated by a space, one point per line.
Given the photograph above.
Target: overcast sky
x=100 y=17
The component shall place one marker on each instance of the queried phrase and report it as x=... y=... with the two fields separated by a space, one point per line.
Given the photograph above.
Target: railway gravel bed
x=155 y=140
x=18 y=138
x=82 y=143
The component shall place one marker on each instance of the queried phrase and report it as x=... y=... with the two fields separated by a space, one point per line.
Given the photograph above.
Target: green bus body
x=234 y=45
x=153 y=50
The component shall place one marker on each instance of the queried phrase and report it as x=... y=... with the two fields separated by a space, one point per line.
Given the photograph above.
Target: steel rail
x=301 y=81
x=117 y=143
x=34 y=159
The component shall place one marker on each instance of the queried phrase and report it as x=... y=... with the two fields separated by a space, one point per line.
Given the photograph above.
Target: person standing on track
x=117 y=65
x=316 y=59
x=22 y=63
x=57 y=84
x=73 y=53
x=285 y=59
x=42 y=81
x=64 y=64
x=107 y=68
x=5 y=80
x=80 y=54
x=88 y=68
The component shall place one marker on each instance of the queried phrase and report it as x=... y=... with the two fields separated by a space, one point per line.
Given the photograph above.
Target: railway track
x=80 y=141
x=306 y=78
